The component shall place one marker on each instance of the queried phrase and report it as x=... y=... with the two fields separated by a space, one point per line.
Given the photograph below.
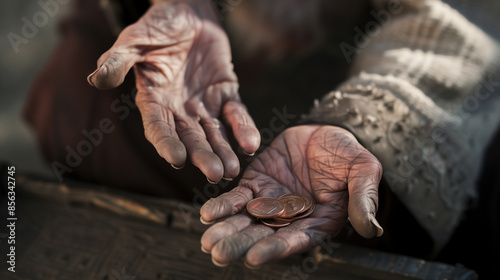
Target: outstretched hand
x=185 y=83
x=325 y=163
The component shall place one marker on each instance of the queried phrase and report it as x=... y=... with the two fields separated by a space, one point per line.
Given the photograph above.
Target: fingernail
x=243 y=151
x=375 y=223
x=219 y=264
x=251 y=266
x=89 y=77
x=227 y=178
x=205 y=222
x=177 y=167
x=205 y=250
x=212 y=182
x=217 y=122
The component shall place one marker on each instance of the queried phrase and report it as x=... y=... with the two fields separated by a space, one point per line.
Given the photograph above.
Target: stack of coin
x=280 y=212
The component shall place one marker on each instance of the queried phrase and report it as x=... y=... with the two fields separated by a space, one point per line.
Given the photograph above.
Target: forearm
x=407 y=101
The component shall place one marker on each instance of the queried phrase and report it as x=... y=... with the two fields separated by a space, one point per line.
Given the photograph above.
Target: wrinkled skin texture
x=325 y=163
x=185 y=81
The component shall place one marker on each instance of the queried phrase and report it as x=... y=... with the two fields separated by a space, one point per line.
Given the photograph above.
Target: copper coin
x=283 y=220
x=273 y=223
x=265 y=207
x=307 y=200
x=294 y=205
x=304 y=214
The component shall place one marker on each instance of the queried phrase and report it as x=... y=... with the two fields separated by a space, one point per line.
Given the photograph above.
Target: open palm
x=325 y=163
x=185 y=83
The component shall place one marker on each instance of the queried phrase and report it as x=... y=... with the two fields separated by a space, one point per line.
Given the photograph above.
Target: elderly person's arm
x=423 y=98
x=408 y=80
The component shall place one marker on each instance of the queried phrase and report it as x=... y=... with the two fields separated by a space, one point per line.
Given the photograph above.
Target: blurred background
x=17 y=71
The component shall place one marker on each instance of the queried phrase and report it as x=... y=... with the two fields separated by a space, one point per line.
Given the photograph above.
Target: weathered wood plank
x=80 y=231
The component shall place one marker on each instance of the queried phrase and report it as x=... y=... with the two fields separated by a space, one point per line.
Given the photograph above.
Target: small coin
x=273 y=223
x=283 y=220
x=298 y=217
x=307 y=200
x=294 y=205
x=265 y=207
x=303 y=214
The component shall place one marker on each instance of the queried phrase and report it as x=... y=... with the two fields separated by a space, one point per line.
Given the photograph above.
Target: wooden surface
x=80 y=231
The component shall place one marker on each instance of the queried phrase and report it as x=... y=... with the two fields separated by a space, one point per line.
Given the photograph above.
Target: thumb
x=227 y=204
x=363 y=196
x=113 y=67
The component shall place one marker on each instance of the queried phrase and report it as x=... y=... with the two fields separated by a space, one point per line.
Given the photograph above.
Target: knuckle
x=146 y=97
x=185 y=127
x=226 y=250
x=156 y=131
x=234 y=107
x=194 y=107
x=375 y=164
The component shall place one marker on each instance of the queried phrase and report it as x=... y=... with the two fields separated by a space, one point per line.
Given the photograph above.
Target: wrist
x=418 y=150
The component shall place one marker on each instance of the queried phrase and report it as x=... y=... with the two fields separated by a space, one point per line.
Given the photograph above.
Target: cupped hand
x=325 y=163
x=185 y=83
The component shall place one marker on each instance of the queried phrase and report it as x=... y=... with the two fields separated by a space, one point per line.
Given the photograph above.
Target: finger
x=201 y=154
x=226 y=204
x=113 y=66
x=218 y=141
x=159 y=129
x=243 y=126
x=298 y=237
x=234 y=246
x=224 y=228
x=363 y=181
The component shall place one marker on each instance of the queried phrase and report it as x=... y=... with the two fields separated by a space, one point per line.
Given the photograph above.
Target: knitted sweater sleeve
x=421 y=97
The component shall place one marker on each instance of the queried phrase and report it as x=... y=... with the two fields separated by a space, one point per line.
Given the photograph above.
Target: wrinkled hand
x=325 y=163
x=185 y=83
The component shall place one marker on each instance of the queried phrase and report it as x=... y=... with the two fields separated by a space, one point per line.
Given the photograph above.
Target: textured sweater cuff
x=427 y=163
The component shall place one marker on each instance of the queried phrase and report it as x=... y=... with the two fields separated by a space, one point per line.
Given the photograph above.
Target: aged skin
x=325 y=162
x=185 y=83
x=421 y=95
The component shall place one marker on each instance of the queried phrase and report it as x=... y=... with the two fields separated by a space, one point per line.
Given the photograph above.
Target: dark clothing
x=62 y=108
